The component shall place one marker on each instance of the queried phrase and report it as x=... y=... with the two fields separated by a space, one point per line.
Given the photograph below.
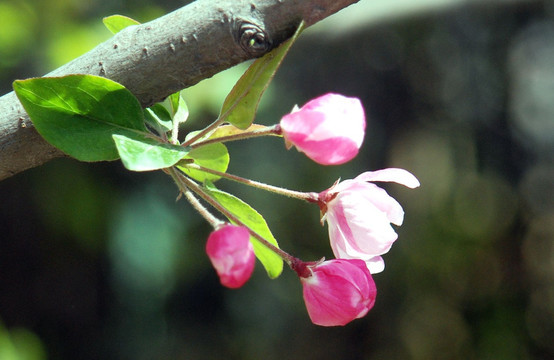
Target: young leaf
x=242 y=102
x=272 y=262
x=158 y=117
x=182 y=113
x=78 y=114
x=116 y=23
x=174 y=100
x=178 y=107
x=145 y=154
x=213 y=156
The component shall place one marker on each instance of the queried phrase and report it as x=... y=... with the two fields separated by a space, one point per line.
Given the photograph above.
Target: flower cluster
x=330 y=131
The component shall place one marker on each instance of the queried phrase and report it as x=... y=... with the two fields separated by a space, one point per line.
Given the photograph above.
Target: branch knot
x=252 y=38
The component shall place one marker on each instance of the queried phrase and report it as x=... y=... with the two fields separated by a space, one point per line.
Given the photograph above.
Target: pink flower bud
x=337 y=291
x=232 y=254
x=359 y=216
x=329 y=129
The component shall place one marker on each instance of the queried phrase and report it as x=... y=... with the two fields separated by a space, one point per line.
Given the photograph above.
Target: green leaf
x=242 y=102
x=116 y=23
x=144 y=154
x=229 y=130
x=78 y=114
x=213 y=156
x=158 y=117
x=180 y=109
x=272 y=262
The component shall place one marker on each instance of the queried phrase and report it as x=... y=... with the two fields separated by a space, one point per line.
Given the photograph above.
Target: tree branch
x=158 y=58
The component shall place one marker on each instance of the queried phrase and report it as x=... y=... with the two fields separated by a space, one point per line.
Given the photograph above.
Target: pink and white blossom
x=329 y=129
x=359 y=216
x=231 y=254
x=337 y=291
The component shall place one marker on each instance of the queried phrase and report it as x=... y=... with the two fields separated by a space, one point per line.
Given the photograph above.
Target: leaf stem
x=175 y=133
x=311 y=197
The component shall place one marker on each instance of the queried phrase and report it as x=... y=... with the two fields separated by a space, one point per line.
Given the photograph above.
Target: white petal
x=399 y=176
x=358 y=227
x=386 y=203
x=375 y=264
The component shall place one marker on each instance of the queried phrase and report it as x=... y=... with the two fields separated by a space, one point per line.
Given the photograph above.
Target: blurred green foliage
x=20 y=344
x=96 y=262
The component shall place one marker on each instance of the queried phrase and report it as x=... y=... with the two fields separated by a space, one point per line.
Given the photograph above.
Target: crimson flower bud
x=337 y=291
x=231 y=254
x=329 y=129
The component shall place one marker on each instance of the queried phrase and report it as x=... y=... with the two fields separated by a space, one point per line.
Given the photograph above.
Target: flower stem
x=274 y=130
x=186 y=183
x=215 y=222
x=306 y=196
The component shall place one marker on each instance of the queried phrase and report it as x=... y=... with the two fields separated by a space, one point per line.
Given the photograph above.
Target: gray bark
x=155 y=59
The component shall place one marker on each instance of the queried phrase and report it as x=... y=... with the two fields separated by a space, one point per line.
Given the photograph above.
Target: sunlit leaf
x=78 y=114
x=145 y=154
x=229 y=130
x=242 y=102
x=213 y=156
x=116 y=23
x=178 y=107
x=272 y=262
x=158 y=117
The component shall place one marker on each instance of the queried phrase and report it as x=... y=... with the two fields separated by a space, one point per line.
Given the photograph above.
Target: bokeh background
x=100 y=263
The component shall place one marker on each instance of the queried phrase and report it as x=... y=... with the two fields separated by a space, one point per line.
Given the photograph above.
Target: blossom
x=336 y=291
x=328 y=129
x=231 y=254
x=359 y=216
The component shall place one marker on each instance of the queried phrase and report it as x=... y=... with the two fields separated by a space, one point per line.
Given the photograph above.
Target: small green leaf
x=242 y=102
x=272 y=262
x=145 y=154
x=213 y=156
x=180 y=109
x=158 y=117
x=116 y=23
x=174 y=100
x=78 y=114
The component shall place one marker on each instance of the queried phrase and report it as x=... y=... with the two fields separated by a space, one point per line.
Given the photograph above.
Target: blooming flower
x=359 y=214
x=337 y=291
x=329 y=129
x=231 y=254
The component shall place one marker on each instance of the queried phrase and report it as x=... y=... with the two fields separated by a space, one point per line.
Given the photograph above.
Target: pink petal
x=357 y=229
x=374 y=194
x=231 y=254
x=332 y=151
x=329 y=129
x=338 y=291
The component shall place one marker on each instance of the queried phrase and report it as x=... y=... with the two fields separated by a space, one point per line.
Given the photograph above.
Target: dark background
x=100 y=263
